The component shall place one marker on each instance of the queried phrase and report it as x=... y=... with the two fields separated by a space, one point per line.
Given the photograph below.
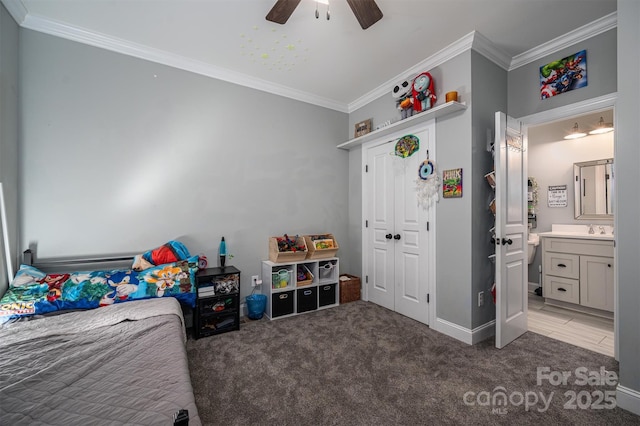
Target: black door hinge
x=366 y=168
x=427 y=297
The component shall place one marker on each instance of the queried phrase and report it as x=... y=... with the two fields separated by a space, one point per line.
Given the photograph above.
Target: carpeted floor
x=361 y=364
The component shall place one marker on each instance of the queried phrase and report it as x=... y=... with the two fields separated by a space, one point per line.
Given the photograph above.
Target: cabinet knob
x=609 y=265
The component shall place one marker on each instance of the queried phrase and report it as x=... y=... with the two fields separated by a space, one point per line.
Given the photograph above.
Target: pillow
x=27 y=275
x=172 y=251
x=175 y=279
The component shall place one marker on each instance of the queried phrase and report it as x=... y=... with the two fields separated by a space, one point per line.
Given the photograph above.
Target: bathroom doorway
x=551 y=158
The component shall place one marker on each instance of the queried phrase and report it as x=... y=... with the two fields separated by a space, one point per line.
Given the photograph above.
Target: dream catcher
x=428 y=183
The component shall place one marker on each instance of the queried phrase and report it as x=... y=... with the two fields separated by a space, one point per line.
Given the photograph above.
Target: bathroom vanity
x=577 y=268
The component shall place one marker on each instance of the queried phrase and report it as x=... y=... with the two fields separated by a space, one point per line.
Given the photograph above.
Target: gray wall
x=551 y=163
x=628 y=174
x=121 y=155
x=524 y=82
x=453 y=216
x=9 y=134
x=489 y=87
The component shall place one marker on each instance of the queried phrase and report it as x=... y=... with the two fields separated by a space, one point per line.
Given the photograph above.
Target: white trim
x=584 y=107
x=16 y=9
x=628 y=399
x=463 y=334
x=578 y=35
x=486 y=48
x=140 y=51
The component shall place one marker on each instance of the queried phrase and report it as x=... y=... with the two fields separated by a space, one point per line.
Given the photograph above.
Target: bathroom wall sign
x=557 y=196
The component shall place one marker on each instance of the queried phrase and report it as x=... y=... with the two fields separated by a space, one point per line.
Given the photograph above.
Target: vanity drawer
x=562 y=264
x=564 y=289
x=591 y=247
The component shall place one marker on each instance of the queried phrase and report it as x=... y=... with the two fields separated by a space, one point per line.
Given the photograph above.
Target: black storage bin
x=307 y=299
x=326 y=294
x=282 y=303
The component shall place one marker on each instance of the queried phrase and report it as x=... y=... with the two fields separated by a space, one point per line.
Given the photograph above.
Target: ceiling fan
x=367 y=12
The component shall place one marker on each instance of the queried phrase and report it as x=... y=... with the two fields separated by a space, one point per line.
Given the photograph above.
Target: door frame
x=600 y=103
x=429 y=125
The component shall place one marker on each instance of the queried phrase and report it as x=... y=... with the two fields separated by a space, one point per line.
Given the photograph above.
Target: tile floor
x=586 y=331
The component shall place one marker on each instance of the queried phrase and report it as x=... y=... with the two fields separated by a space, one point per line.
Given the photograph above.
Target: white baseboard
x=466 y=335
x=628 y=399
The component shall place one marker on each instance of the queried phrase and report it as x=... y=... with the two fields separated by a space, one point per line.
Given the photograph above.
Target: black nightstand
x=218 y=301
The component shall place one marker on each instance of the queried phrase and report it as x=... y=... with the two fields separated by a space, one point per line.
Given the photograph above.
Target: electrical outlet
x=254 y=280
x=480 y=298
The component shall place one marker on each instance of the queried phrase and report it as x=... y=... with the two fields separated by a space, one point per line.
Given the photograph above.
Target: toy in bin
x=280 y=279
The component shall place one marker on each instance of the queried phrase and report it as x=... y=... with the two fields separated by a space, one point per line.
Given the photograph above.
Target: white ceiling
x=332 y=63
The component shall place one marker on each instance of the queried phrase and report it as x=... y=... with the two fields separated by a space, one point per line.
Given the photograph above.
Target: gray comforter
x=122 y=364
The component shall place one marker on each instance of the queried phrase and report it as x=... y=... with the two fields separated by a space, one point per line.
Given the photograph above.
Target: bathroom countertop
x=579 y=231
x=579 y=235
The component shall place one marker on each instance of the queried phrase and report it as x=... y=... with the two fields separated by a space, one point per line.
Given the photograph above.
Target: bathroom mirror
x=594 y=189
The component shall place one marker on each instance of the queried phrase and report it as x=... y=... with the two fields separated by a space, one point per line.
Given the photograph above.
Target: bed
x=64 y=362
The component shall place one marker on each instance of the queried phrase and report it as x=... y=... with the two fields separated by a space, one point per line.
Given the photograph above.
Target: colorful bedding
x=33 y=292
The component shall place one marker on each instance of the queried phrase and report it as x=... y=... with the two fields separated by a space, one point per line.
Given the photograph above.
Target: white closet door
x=410 y=247
x=396 y=251
x=380 y=208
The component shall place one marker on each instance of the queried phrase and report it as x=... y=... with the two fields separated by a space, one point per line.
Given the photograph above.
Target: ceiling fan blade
x=282 y=10
x=367 y=12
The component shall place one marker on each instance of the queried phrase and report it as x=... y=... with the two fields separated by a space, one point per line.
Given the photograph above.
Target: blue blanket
x=33 y=292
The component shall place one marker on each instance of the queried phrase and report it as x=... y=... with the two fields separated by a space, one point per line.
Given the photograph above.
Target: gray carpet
x=360 y=364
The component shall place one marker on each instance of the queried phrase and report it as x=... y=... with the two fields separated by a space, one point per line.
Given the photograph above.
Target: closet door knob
x=505 y=241
x=388 y=236
x=396 y=237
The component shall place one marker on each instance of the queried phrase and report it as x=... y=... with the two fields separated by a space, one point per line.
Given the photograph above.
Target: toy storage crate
x=286 y=256
x=349 y=288
x=313 y=253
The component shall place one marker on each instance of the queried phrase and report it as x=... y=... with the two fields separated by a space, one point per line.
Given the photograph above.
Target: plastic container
x=256 y=303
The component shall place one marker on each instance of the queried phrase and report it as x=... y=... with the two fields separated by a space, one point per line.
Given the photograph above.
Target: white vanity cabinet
x=578 y=271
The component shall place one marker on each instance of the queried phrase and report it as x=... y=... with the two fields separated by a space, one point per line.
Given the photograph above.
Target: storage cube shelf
x=318 y=290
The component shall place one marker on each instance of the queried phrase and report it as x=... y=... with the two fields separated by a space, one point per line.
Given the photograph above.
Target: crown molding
x=140 y=51
x=16 y=9
x=582 y=33
x=449 y=52
x=486 y=48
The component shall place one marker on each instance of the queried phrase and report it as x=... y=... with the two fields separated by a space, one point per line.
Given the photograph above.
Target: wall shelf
x=435 y=112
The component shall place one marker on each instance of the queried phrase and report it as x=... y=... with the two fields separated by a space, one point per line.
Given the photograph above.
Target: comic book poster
x=452 y=183
x=563 y=75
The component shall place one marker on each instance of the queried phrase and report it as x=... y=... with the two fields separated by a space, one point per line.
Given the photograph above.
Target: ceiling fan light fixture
x=576 y=133
x=602 y=128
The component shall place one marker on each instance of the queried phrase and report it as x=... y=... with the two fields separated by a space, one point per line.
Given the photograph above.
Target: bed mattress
x=122 y=364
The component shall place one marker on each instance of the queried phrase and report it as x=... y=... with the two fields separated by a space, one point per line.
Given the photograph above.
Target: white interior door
x=380 y=185
x=511 y=229
x=410 y=242
x=396 y=237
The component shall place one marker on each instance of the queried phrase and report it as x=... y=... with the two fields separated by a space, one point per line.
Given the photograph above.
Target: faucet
x=591 y=231
x=601 y=230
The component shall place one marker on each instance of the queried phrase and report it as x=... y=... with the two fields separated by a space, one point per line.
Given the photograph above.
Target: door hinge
x=366 y=223
x=427 y=297
x=427 y=226
x=366 y=168
x=366 y=279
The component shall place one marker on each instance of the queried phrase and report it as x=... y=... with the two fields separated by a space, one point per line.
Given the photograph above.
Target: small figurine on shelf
x=402 y=94
x=424 y=94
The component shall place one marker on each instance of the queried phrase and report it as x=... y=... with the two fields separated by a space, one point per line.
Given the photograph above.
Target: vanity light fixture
x=576 y=133
x=602 y=128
